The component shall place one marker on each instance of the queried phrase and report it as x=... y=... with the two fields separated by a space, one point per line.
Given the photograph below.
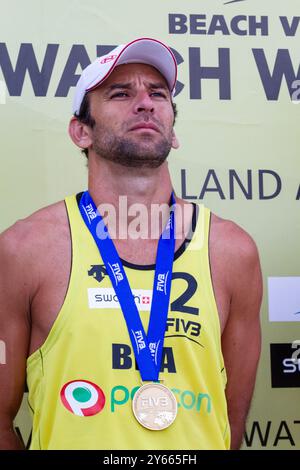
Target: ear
x=175 y=142
x=80 y=133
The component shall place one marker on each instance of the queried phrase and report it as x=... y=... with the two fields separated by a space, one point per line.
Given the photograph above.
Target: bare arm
x=14 y=332
x=241 y=339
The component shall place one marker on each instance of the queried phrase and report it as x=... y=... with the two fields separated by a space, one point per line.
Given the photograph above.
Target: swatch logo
x=106 y=298
x=146 y=299
x=83 y=398
x=285 y=365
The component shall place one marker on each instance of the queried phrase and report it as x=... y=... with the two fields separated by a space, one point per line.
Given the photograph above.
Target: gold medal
x=154 y=406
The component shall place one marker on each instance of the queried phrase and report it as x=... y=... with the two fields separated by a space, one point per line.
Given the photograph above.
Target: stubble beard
x=144 y=153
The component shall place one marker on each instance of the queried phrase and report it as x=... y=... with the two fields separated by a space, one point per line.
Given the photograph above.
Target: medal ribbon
x=147 y=348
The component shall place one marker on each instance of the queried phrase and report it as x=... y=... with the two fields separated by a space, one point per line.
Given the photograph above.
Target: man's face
x=133 y=117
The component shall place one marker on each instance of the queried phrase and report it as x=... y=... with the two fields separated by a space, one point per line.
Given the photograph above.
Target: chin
x=141 y=162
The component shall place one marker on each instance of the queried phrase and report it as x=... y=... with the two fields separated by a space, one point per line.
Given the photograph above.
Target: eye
x=119 y=94
x=159 y=94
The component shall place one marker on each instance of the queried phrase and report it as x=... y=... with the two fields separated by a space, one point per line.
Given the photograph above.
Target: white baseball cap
x=143 y=50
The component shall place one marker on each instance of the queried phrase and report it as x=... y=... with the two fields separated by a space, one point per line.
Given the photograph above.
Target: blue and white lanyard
x=147 y=348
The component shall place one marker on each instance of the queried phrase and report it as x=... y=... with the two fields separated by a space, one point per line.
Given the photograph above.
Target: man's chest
x=54 y=280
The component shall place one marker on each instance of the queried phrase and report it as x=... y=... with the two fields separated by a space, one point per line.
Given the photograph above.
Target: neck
x=108 y=181
x=128 y=196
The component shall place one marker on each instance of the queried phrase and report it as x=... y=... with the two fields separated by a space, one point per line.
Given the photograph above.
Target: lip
x=144 y=126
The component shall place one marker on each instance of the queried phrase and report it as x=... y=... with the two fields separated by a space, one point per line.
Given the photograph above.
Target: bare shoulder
x=28 y=236
x=232 y=239
x=233 y=251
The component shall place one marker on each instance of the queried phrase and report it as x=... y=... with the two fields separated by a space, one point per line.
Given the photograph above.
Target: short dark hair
x=85 y=117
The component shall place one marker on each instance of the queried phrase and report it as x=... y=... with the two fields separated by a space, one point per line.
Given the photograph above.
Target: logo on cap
x=108 y=59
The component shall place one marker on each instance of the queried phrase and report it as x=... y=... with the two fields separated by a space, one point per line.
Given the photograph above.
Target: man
x=66 y=307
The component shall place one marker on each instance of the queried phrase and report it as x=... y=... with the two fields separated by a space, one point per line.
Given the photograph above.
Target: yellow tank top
x=82 y=380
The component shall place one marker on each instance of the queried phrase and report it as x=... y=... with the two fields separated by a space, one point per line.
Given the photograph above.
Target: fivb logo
x=83 y=398
x=90 y=213
x=139 y=340
x=117 y=273
x=162 y=282
x=153 y=347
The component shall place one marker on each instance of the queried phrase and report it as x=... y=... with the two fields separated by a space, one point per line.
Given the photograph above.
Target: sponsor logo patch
x=106 y=298
x=285 y=365
x=82 y=398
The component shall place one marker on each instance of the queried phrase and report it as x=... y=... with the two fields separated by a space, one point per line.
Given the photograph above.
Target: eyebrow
x=158 y=85
x=115 y=86
x=128 y=86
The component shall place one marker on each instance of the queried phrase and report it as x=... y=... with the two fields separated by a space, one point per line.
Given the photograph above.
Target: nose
x=143 y=103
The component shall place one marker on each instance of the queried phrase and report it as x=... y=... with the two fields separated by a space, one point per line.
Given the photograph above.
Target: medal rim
x=154 y=385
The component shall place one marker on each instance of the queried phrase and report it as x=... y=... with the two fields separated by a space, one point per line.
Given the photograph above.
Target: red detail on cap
x=108 y=59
